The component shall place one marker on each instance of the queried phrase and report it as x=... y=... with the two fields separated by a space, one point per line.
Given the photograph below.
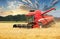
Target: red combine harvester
x=40 y=19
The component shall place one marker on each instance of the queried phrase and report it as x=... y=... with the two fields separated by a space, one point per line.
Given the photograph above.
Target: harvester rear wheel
x=40 y=24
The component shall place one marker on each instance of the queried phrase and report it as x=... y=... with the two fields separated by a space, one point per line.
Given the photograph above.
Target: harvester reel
x=29 y=25
x=17 y=25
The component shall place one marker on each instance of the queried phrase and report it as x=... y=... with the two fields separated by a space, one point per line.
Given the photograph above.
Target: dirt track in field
x=8 y=32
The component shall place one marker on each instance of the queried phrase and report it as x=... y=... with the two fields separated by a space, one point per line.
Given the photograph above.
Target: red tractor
x=39 y=19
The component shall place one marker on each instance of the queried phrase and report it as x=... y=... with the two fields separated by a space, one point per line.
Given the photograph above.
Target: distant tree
x=13 y=18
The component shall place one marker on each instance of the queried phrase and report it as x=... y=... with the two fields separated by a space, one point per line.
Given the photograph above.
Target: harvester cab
x=30 y=18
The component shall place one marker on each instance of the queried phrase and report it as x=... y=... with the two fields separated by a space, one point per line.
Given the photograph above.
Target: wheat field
x=8 y=32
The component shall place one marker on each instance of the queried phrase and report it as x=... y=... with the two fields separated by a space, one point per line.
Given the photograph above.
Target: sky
x=6 y=5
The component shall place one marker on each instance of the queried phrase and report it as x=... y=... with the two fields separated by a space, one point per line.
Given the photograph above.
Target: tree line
x=13 y=18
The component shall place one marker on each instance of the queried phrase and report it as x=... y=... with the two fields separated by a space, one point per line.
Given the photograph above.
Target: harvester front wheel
x=30 y=25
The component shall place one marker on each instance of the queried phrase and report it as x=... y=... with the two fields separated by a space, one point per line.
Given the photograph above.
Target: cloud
x=55 y=1
x=13 y=4
x=17 y=7
x=13 y=12
x=1 y=9
x=24 y=1
x=13 y=8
